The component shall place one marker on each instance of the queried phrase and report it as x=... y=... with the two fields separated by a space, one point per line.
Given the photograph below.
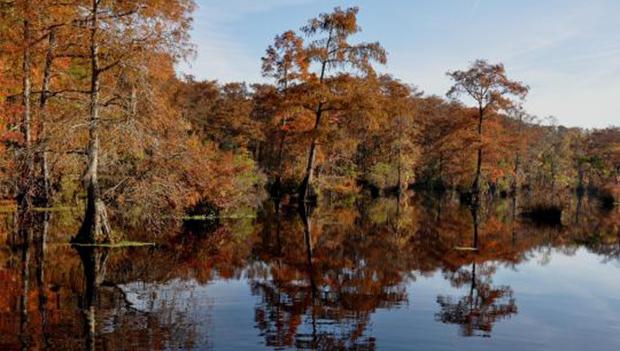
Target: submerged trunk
x=95 y=228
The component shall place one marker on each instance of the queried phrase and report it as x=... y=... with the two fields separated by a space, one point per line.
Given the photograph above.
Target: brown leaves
x=342 y=22
x=332 y=50
x=488 y=85
x=285 y=61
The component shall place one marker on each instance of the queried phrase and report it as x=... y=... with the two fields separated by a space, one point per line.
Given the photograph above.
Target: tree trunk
x=27 y=165
x=399 y=181
x=95 y=227
x=580 y=173
x=44 y=191
x=440 y=173
x=515 y=182
x=552 y=175
x=476 y=185
x=306 y=185
x=399 y=155
x=474 y=216
x=277 y=186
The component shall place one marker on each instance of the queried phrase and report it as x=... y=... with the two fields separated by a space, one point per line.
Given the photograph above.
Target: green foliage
x=382 y=175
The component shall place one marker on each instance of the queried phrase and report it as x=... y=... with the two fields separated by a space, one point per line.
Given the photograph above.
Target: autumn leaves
x=95 y=117
x=329 y=52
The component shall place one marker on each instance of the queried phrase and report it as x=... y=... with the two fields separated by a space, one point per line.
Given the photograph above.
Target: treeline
x=92 y=113
x=395 y=135
x=330 y=118
x=88 y=117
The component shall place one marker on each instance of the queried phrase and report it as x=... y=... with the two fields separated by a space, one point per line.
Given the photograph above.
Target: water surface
x=379 y=274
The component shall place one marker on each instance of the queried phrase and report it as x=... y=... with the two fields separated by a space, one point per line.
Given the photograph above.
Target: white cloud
x=221 y=55
x=569 y=56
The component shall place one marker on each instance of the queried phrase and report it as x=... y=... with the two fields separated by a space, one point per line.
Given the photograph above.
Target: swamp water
x=416 y=274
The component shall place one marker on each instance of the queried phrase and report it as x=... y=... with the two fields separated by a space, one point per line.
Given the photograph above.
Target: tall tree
x=119 y=34
x=488 y=85
x=285 y=62
x=42 y=152
x=27 y=161
x=399 y=105
x=330 y=49
x=95 y=221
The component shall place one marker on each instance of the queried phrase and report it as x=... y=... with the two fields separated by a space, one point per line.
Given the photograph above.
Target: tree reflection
x=30 y=230
x=25 y=230
x=40 y=253
x=321 y=294
x=318 y=278
x=94 y=264
x=485 y=304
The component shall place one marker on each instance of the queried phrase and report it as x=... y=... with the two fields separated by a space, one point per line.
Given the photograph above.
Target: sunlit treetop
x=330 y=45
x=488 y=85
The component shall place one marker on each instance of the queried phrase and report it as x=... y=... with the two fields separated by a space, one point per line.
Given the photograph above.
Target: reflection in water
x=94 y=265
x=42 y=228
x=319 y=280
x=325 y=302
x=481 y=307
x=478 y=310
x=25 y=227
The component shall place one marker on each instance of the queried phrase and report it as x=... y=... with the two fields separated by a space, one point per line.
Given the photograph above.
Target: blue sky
x=567 y=51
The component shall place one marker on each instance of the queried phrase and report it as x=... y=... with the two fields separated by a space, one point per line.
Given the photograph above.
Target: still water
x=364 y=275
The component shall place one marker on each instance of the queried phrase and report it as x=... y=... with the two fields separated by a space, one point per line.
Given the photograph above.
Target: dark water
x=423 y=274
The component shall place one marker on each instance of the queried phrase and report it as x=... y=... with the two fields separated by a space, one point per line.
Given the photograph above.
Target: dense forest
x=93 y=115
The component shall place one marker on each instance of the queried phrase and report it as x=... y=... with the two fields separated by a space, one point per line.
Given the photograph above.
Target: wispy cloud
x=566 y=50
x=220 y=53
